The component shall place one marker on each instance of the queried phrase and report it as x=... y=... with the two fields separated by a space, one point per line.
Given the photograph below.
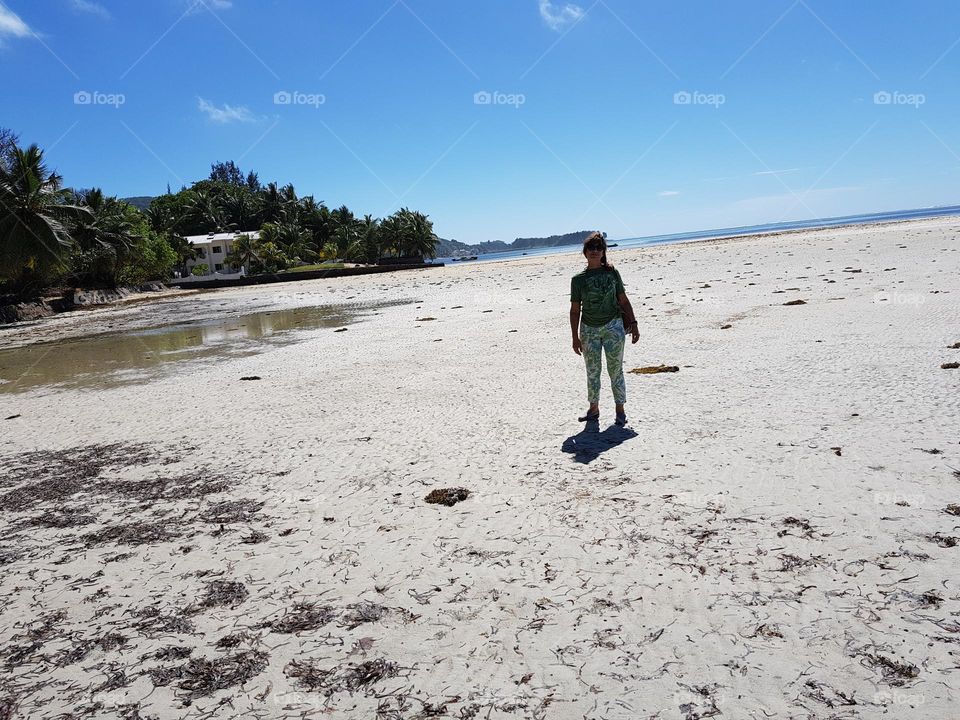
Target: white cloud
x=557 y=17
x=11 y=24
x=91 y=7
x=226 y=114
x=667 y=193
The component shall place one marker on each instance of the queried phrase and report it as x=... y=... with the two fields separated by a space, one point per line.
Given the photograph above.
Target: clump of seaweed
x=799 y=524
x=135 y=533
x=303 y=616
x=222 y=593
x=447 y=496
x=896 y=673
x=231 y=511
x=234 y=640
x=307 y=674
x=201 y=677
x=655 y=369
x=952 y=509
x=173 y=652
x=361 y=613
x=944 y=541
x=62 y=518
x=152 y=622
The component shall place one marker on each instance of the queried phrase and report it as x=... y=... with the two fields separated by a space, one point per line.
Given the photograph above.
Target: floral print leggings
x=609 y=338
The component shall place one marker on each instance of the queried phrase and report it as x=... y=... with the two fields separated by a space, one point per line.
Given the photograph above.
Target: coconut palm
x=243 y=252
x=35 y=220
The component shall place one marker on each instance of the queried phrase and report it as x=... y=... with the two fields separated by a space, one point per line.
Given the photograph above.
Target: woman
x=598 y=295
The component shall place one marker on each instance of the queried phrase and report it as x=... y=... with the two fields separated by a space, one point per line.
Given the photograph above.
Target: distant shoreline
x=768 y=229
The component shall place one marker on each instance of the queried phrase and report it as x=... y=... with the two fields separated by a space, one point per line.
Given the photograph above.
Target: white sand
x=650 y=573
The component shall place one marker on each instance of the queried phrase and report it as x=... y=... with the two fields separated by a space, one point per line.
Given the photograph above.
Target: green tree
x=35 y=221
x=243 y=252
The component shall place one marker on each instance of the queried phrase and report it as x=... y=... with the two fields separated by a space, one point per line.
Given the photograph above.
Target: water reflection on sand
x=134 y=356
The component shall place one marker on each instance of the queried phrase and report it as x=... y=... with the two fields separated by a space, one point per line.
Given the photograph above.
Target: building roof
x=220 y=237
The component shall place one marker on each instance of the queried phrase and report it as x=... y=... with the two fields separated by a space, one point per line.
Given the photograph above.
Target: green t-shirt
x=596 y=291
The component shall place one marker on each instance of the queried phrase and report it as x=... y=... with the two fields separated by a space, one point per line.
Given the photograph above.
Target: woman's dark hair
x=598 y=238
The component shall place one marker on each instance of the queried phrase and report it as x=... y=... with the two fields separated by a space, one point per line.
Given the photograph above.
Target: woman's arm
x=629 y=319
x=575 y=326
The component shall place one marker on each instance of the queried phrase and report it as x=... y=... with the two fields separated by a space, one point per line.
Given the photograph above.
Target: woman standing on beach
x=598 y=294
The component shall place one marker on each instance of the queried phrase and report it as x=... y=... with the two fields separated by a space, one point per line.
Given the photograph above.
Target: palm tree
x=110 y=239
x=366 y=246
x=34 y=220
x=243 y=252
x=423 y=241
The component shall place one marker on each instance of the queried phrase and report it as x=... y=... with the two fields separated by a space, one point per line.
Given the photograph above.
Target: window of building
x=202 y=254
x=216 y=249
x=218 y=267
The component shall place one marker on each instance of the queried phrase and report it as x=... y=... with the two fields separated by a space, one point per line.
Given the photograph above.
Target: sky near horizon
x=503 y=118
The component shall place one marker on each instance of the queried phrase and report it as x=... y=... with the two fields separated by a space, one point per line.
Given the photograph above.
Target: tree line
x=51 y=235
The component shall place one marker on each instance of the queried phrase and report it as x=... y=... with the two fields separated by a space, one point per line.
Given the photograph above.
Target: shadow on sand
x=587 y=445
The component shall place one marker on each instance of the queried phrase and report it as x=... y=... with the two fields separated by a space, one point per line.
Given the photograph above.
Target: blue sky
x=633 y=117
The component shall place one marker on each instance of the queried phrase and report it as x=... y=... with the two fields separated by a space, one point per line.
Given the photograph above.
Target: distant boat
x=612 y=245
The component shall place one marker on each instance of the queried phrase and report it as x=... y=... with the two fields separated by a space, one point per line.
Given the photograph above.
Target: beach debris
x=425 y=319
x=12 y=417
x=154 y=622
x=795 y=302
x=223 y=593
x=768 y=631
x=231 y=511
x=726 y=327
x=360 y=613
x=173 y=652
x=931 y=451
x=944 y=541
x=955 y=346
x=838 y=451
x=351 y=678
x=341 y=329
x=303 y=616
x=799 y=524
x=251 y=377
x=201 y=677
x=135 y=533
x=950 y=366
x=952 y=509
x=447 y=496
x=896 y=673
x=255 y=537
x=652 y=369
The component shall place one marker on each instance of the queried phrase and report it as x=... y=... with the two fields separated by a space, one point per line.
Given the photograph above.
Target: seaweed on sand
x=62 y=518
x=222 y=593
x=447 y=496
x=152 y=621
x=799 y=524
x=173 y=652
x=361 y=613
x=303 y=616
x=135 y=533
x=201 y=677
x=231 y=511
x=351 y=678
x=896 y=673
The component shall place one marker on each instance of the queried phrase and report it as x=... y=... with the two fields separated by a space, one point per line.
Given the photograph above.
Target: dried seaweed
x=896 y=673
x=655 y=369
x=222 y=593
x=361 y=613
x=303 y=616
x=307 y=674
x=201 y=677
x=152 y=622
x=447 y=496
x=173 y=652
x=135 y=533
x=231 y=511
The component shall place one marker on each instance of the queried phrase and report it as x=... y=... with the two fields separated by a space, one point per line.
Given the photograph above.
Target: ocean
x=726 y=232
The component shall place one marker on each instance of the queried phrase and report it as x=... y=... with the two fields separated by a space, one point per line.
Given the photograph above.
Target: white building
x=212 y=251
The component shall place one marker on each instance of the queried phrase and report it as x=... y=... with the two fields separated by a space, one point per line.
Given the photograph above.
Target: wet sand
x=245 y=534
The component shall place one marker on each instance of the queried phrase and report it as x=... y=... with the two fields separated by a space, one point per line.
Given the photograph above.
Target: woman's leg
x=592 y=347
x=614 y=339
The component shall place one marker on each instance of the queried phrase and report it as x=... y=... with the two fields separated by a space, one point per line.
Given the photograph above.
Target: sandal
x=621 y=419
x=590 y=416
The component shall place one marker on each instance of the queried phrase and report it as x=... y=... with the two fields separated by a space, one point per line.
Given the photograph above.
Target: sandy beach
x=771 y=536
